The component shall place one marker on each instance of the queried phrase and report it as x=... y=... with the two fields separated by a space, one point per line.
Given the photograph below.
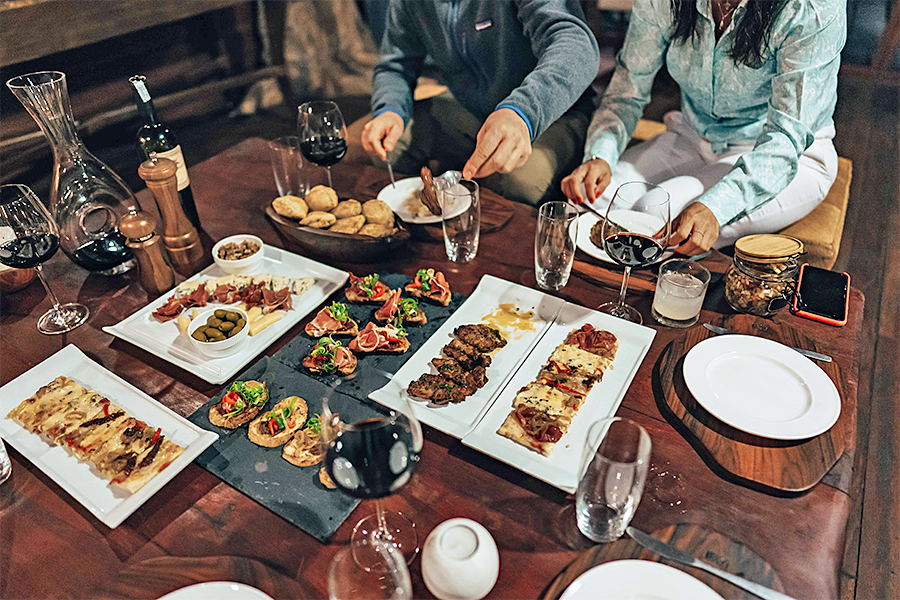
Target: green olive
x=213 y=322
x=199 y=336
x=226 y=326
x=241 y=322
x=232 y=333
x=233 y=316
x=220 y=313
x=214 y=335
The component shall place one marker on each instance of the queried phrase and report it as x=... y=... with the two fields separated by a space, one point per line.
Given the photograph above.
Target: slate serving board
x=293 y=492
x=373 y=371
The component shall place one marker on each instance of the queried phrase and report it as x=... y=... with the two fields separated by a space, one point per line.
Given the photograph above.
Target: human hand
x=380 y=135
x=694 y=230
x=503 y=144
x=595 y=176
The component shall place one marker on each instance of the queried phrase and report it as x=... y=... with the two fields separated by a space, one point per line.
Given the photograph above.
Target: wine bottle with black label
x=155 y=139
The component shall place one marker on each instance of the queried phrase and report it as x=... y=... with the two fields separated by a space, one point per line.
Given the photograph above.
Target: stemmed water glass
x=374 y=458
x=323 y=137
x=635 y=233
x=29 y=237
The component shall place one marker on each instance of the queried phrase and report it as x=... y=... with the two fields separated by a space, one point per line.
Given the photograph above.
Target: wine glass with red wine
x=29 y=237
x=374 y=458
x=635 y=233
x=323 y=137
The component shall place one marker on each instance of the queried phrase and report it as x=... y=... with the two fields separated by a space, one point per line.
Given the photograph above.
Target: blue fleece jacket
x=537 y=57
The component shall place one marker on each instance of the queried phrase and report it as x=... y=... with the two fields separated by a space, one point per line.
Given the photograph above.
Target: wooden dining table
x=198 y=528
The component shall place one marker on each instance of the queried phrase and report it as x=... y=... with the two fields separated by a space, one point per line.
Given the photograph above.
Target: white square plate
x=563 y=467
x=166 y=341
x=109 y=503
x=495 y=301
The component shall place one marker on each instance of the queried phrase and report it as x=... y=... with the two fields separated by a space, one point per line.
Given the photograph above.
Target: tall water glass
x=554 y=244
x=461 y=217
x=287 y=166
x=611 y=487
x=369 y=569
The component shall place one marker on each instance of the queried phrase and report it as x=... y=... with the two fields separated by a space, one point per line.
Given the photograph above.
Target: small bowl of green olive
x=218 y=332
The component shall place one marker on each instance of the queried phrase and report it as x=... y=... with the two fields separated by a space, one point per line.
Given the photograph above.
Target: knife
x=672 y=553
x=804 y=352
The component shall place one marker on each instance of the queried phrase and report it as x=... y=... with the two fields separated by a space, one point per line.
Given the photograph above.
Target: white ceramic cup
x=457 y=547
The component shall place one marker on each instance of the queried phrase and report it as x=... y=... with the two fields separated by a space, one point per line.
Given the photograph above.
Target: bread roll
x=321 y=198
x=319 y=219
x=348 y=225
x=377 y=211
x=291 y=207
x=377 y=230
x=347 y=208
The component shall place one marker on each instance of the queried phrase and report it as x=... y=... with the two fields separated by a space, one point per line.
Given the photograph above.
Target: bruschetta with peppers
x=328 y=356
x=407 y=310
x=389 y=338
x=332 y=320
x=304 y=449
x=275 y=427
x=240 y=405
x=366 y=289
x=430 y=285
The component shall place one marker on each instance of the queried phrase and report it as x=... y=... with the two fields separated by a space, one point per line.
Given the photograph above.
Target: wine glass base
x=622 y=311
x=401 y=533
x=69 y=316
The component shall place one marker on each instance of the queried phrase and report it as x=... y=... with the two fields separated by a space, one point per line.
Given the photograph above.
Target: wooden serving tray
x=792 y=466
x=709 y=546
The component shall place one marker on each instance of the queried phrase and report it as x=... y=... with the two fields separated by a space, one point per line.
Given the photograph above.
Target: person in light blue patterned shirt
x=751 y=149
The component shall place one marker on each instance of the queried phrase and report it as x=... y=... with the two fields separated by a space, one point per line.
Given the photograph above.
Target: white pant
x=684 y=164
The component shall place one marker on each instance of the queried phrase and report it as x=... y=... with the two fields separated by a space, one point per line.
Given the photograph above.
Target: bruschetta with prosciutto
x=366 y=289
x=430 y=285
x=332 y=320
x=275 y=427
x=380 y=339
x=240 y=405
x=406 y=309
x=328 y=356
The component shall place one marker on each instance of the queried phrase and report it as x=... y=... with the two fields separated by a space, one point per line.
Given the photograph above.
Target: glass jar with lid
x=762 y=279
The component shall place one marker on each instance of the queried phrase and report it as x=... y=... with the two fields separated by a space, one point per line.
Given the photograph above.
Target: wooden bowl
x=342 y=247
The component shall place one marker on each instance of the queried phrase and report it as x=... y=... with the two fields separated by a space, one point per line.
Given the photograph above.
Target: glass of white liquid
x=610 y=490
x=680 y=291
x=460 y=216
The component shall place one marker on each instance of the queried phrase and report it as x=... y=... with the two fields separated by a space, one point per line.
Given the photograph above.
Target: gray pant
x=442 y=131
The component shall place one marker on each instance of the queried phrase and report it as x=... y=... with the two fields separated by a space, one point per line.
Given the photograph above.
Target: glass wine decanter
x=87 y=198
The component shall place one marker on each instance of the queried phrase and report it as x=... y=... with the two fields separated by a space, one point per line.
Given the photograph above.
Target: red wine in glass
x=323 y=137
x=633 y=249
x=324 y=151
x=29 y=237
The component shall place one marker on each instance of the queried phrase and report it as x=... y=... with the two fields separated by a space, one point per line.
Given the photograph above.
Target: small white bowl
x=247 y=265
x=460 y=560
x=225 y=347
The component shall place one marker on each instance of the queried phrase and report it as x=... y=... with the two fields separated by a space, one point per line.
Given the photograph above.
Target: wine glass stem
x=328 y=170
x=40 y=271
x=622 y=291
x=383 y=531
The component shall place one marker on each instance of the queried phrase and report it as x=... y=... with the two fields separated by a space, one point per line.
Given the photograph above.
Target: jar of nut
x=762 y=279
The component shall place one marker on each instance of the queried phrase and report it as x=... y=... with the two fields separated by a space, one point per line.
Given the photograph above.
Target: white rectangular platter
x=523 y=316
x=109 y=503
x=166 y=341
x=562 y=469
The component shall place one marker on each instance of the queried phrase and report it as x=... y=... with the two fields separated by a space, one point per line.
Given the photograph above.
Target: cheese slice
x=579 y=361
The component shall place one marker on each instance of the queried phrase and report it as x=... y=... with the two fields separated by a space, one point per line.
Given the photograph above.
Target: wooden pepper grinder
x=140 y=230
x=179 y=235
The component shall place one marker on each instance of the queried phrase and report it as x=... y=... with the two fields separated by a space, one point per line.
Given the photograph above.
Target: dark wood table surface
x=199 y=528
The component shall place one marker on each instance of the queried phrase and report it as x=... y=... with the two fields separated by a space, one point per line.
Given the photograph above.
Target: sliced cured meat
x=600 y=342
x=332 y=320
x=391 y=305
x=385 y=339
x=366 y=289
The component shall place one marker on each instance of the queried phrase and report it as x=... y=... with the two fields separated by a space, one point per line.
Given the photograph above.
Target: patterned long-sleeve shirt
x=780 y=105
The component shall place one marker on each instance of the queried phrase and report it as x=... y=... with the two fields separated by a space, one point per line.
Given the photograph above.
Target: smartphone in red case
x=822 y=295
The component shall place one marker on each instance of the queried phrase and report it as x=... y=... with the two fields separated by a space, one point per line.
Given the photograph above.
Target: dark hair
x=751 y=34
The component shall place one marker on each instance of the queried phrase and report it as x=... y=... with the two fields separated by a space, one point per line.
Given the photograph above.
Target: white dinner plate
x=166 y=340
x=637 y=580
x=563 y=467
x=218 y=590
x=761 y=387
x=109 y=503
x=404 y=201
x=584 y=243
x=523 y=315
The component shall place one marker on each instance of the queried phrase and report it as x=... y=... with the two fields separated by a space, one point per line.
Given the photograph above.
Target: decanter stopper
x=139 y=228
x=179 y=235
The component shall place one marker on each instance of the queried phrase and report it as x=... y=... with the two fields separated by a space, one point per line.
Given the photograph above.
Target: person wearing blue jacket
x=519 y=101
x=751 y=149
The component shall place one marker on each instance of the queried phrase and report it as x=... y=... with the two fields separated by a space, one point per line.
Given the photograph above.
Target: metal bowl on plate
x=339 y=246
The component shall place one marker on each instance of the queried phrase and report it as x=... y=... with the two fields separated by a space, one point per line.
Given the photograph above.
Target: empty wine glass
x=374 y=458
x=635 y=233
x=323 y=137
x=369 y=569
x=28 y=237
